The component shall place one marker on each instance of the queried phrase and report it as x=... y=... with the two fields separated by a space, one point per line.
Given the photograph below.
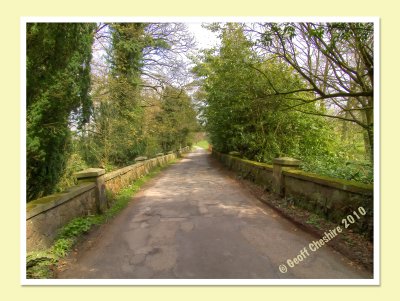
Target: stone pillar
x=279 y=165
x=95 y=175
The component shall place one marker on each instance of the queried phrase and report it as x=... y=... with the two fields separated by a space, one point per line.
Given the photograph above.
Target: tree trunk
x=368 y=119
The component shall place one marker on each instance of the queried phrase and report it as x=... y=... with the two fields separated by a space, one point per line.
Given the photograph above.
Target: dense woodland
x=99 y=95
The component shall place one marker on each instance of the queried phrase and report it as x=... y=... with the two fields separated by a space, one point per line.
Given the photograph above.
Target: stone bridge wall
x=332 y=198
x=45 y=216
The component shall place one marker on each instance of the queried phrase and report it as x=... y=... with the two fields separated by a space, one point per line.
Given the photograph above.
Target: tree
x=113 y=137
x=58 y=59
x=241 y=109
x=162 y=48
x=176 y=120
x=335 y=62
x=164 y=57
x=142 y=63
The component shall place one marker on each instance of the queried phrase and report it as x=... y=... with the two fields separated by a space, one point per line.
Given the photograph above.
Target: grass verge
x=41 y=264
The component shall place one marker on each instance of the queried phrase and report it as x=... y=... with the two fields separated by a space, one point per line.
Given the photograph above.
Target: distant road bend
x=194 y=221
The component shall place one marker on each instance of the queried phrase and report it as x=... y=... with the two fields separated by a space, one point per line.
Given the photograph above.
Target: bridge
x=195 y=221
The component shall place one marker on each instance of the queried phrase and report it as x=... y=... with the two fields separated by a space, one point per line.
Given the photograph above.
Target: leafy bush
x=74 y=164
x=76 y=227
x=336 y=167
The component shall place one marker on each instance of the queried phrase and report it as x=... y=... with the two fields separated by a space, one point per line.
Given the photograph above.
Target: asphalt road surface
x=193 y=221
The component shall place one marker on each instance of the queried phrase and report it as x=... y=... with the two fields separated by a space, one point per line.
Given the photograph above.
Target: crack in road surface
x=194 y=221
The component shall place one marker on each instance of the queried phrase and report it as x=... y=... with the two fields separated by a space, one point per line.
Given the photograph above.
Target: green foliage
x=39 y=265
x=128 y=41
x=76 y=227
x=119 y=117
x=314 y=220
x=66 y=132
x=176 y=119
x=338 y=61
x=346 y=157
x=203 y=144
x=244 y=114
x=58 y=68
x=337 y=167
x=74 y=164
x=128 y=123
x=62 y=247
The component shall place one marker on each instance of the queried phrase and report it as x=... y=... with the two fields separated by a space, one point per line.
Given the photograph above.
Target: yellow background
x=10 y=161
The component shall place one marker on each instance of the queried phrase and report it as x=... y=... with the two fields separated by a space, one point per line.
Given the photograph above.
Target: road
x=194 y=221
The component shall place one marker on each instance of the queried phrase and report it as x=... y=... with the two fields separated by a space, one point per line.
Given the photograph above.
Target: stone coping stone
x=113 y=174
x=170 y=152
x=159 y=155
x=90 y=173
x=286 y=161
x=261 y=165
x=38 y=206
x=141 y=158
x=235 y=153
x=257 y=164
x=345 y=185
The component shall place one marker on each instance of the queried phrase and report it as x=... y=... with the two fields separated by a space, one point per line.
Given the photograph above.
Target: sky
x=204 y=37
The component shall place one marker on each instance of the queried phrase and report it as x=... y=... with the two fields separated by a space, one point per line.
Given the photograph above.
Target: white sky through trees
x=204 y=37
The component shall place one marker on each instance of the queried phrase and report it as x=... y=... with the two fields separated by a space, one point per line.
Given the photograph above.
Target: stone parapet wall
x=116 y=180
x=329 y=197
x=332 y=198
x=45 y=216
